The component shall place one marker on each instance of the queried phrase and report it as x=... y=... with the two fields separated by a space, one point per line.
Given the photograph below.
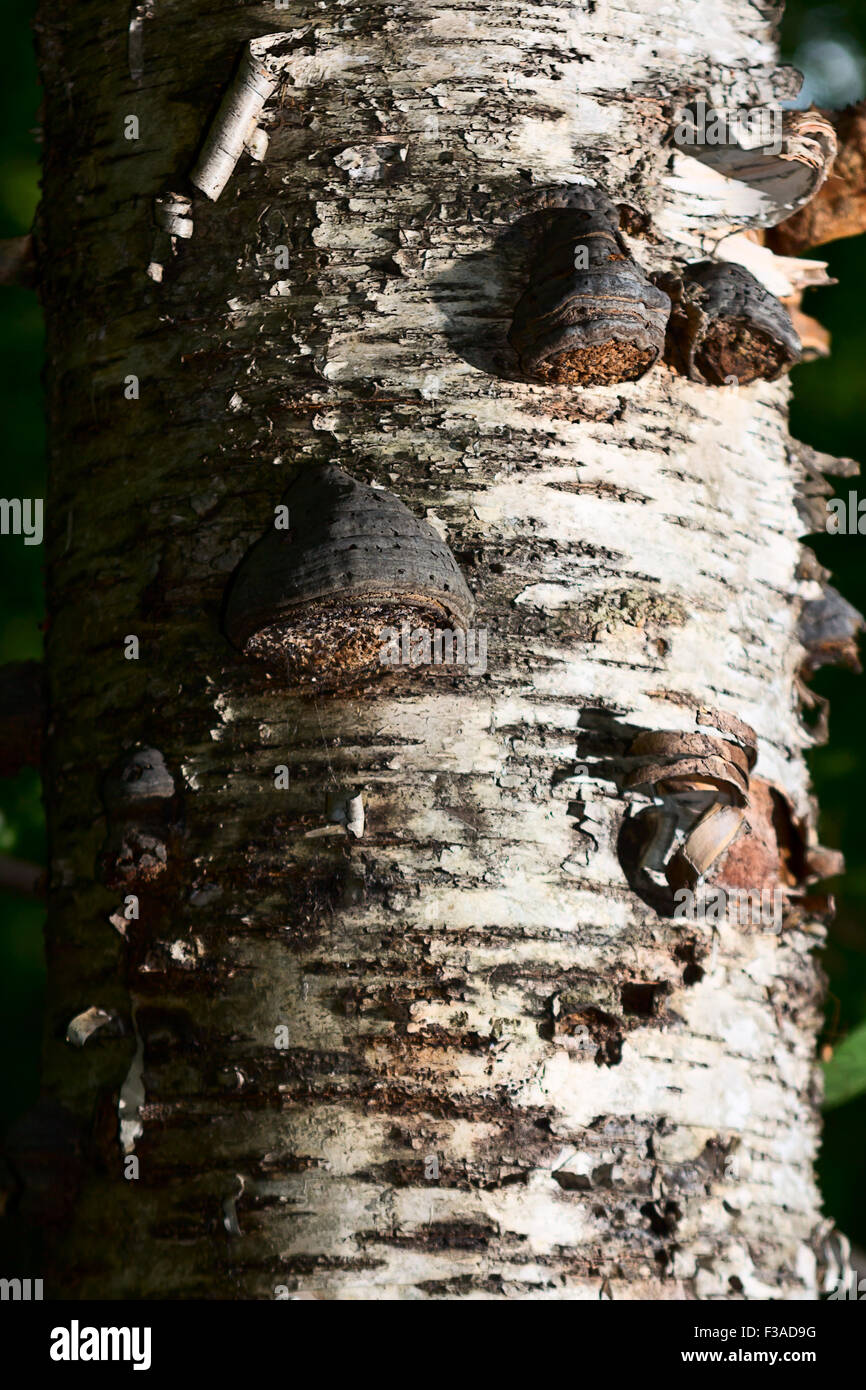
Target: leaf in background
x=845 y=1073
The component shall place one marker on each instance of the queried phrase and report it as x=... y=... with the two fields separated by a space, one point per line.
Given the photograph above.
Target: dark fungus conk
x=590 y=316
x=312 y=601
x=726 y=326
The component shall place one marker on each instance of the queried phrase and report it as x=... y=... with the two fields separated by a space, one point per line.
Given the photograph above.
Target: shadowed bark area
x=468 y=1052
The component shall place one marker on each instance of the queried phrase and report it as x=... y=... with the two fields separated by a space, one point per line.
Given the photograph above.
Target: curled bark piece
x=138 y=14
x=676 y=746
x=733 y=729
x=829 y=630
x=724 y=324
x=314 y=602
x=686 y=775
x=93 y=1020
x=822 y=863
x=234 y=122
x=839 y=207
x=590 y=316
x=784 y=276
x=173 y=213
x=659 y=829
x=347 y=808
x=814 y=337
x=705 y=775
x=710 y=836
x=761 y=186
x=815 y=464
x=813 y=487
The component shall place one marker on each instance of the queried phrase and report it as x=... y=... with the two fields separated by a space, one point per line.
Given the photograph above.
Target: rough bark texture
x=618 y=1104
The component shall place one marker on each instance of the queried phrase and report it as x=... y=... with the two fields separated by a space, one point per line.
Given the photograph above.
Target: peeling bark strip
x=830 y=628
x=786 y=178
x=236 y=119
x=138 y=15
x=755 y=187
x=459 y=1056
x=707 y=780
x=839 y=210
x=173 y=215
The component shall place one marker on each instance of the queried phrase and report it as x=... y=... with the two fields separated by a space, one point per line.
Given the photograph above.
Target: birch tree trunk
x=504 y=1073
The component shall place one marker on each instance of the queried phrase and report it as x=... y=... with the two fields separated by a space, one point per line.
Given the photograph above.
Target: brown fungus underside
x=335 y=643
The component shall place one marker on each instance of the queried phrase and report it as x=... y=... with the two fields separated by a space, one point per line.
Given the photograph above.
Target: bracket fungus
x=725 y=324
x=590 y=316
x=703 y=777
x=312 y=602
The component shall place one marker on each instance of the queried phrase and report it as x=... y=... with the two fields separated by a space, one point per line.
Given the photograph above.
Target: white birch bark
x=633 y=551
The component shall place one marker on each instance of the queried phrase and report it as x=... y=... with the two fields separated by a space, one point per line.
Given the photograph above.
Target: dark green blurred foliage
x=21 y=567
x=828 y=41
